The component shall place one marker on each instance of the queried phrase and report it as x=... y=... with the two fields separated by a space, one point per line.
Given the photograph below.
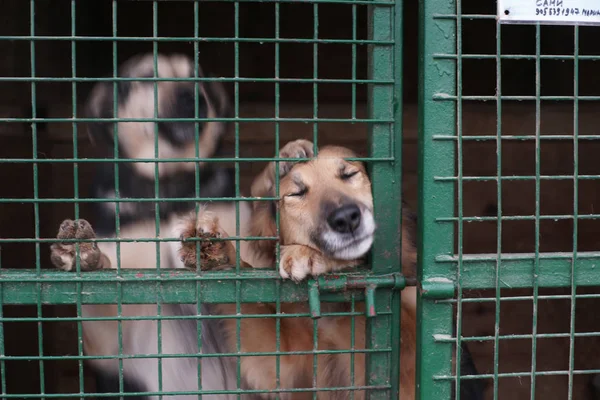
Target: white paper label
x=569 y=12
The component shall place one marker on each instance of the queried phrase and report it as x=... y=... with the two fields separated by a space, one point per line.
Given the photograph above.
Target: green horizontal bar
x=373 y=2
x=140 y=287
x=191 y=355
x=545 y=137
x=464 y=16
x=517 y=270
x=196 y=392
x=520 y=218
x=515 y=178
x=192 y=79
x=170 y=160
x=133 y=240
x=437 y=288
x=516 y=57
x=445 y=96
x=519 y=374
x=195 y=39
x=519 y=337
x=183 y=317
x=237 y=119
x=136 y=200
x=506 y=298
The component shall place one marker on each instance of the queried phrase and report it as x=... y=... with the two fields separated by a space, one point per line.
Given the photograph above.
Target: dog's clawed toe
x=63 y=254
x=214 y=254
x=84 y=230
x=297 y=262
x=297 y=149
x=67 y=230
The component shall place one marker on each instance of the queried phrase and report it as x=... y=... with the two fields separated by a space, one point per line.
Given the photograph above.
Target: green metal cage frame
x=445 y=270
x=380 y=285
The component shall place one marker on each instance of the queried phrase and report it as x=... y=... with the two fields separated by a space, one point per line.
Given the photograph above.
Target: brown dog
x=326 y=224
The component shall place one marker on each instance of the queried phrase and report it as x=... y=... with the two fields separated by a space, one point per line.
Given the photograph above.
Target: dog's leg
x=62 y=254
x=263 y=217
x=256 y=334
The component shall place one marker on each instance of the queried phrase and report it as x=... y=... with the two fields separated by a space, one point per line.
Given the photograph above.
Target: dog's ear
x=263 y=222
x=263 y=225
x=365 y=168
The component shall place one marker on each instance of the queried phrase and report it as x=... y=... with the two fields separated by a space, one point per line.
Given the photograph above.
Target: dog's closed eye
x=345 y=175
x=298 y=193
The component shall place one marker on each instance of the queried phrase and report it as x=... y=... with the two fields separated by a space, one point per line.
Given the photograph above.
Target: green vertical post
x=36 y=205
x=572 y=329
x=197 y=187
x=437 y=116
x=385 y=100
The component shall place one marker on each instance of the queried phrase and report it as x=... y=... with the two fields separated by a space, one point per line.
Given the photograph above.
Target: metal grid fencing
x=507 y=215
x=38 y=285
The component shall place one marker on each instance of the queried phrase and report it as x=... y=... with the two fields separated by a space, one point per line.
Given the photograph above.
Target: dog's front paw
x=297 y=149
x=213 y=254
x=63 y=254
x=297 y=262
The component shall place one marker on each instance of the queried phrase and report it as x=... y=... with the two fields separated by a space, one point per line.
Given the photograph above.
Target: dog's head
x=327 y=204
x=163 y=100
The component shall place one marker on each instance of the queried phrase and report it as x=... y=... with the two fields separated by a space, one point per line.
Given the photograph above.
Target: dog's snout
x=345 y=219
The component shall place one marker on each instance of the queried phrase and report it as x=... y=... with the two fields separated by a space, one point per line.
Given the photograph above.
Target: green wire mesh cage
x=326 y=71
x=498 y=137
x=508 y=219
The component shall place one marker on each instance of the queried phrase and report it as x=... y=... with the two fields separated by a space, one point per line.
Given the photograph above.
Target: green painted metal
x=437 y=288
x=445 y=271
x=140 y=286
x=517 y=270
x=385 y=102
x=378 y=286
x=437 y=78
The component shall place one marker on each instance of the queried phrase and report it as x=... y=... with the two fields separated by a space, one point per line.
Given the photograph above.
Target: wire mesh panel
x=133 y=116
x=507 y=204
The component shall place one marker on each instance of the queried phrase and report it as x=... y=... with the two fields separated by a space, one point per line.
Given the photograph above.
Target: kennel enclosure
x=492 y=125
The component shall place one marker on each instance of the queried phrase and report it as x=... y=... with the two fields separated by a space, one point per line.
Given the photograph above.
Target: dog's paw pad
x=84 y=230
x=63 y=254
x=67 y=229
x=213 y=253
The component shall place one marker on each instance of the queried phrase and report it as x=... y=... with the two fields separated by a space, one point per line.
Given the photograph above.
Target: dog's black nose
x=345 y=219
